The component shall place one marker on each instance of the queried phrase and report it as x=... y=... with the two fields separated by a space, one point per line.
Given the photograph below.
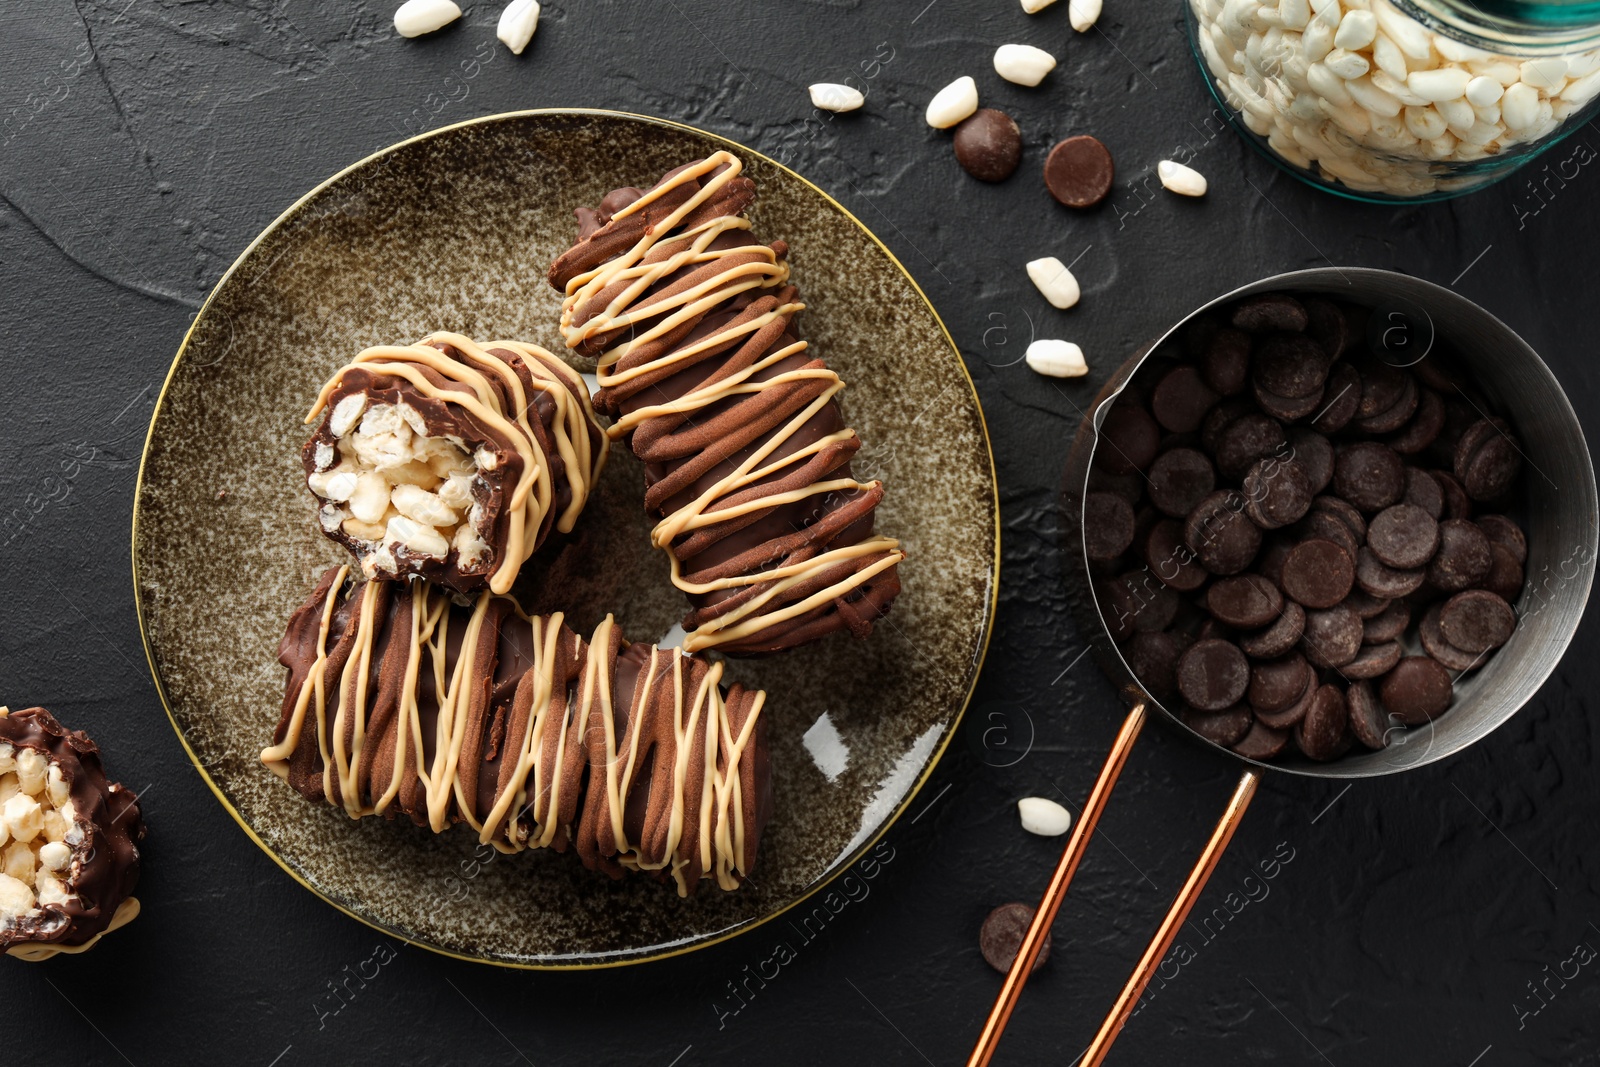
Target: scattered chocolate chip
x=1278 y=638
x=1318 y=573
x=1225 y=728
x=1332 y=638
x=988 y=145
x=1107 y=526
x=1270 y=313
x=1477 y=620
x=1369 y=475
x=1179 y=479
x=1213 y=674
x=1463 y=559
x=1418 y=690
x=1221 y=534
x=1403 y=536
x=1078 y=171
x=1000 y=939
x=1322 y=731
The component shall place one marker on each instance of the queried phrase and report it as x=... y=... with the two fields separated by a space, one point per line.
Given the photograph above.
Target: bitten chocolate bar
x=452 y=460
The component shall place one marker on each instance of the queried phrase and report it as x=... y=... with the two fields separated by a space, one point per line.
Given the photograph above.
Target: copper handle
x=1053 y=894
x=1101 y=1045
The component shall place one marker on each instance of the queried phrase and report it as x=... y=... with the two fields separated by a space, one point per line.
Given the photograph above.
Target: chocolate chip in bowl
x=1362 y=521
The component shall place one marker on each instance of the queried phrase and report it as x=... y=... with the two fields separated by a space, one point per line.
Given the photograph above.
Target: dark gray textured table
x=1416 y=920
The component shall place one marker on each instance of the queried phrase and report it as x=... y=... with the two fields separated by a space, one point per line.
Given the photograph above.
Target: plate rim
x=666 y=952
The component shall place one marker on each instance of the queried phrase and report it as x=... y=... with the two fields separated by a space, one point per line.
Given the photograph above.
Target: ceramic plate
x=453 y=230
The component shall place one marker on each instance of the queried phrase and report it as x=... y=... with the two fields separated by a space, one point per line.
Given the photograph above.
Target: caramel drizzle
x=626 y=311
x=469 y=383
x=524 y=813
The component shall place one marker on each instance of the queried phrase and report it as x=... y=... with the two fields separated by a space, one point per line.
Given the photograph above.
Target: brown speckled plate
x=453 y=230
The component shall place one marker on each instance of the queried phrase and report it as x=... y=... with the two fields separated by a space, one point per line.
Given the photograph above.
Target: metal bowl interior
x=1560 y=515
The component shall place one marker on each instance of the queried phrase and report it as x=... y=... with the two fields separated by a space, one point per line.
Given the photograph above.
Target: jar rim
x=1529 y=27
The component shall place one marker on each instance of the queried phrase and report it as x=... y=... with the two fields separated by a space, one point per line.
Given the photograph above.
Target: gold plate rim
x=290 y=213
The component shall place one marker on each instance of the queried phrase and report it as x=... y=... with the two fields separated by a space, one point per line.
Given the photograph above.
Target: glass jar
x=1408 y=100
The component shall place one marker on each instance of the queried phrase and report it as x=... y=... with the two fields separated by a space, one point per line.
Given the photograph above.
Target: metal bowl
x=1560 y=511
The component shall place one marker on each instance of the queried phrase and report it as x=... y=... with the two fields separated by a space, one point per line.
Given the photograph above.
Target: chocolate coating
x=104 y=866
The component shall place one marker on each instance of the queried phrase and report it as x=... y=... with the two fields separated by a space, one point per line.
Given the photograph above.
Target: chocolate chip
x=1277 y=492
x=1129 y=438
x=1246 y=602
x=1262 y=742
x=1314 y=452
x=1286 y=408
x=1270 y=313
x=1284 y=718
x=1327 y=324
x=1341 y=397
x=1157 y=604
x=1424 y=426
x=1000 y=939
x=1213 y=674
x=1129 y=487
x=1226 y=362
x=1247 y=439
x=1290 y=365
x=1078 y=172
x=1457 y=505
x=1388 y=625
x=1318 y=573
x=1275 y=550
x=1367 y=720
x=1505 y=573
x=1396 y=416
x=1463 y=559
x=1503 y=531
x=1403 y=536
x=1422 y=490
x=1477 y=620
x=1107 y=526
x=1278 y=638
x=1153 y=658
x=1365 y=605
x=1372 y=661
x=988 y=145
x=1277 y=684
x=1225 y=728
x=1179 y=479
x=1171 y=560
x=1382 y=580
x=1219 y=418
x=1181 y=399
x=1321 y=733
x=1487 y=459
x=1332 y=638
x=1369 y=475
x=1382 y=386
x=1435 y=645
x=1418 y=690
x=1327 y=527
x=1346 y=513
x=1221 y=534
